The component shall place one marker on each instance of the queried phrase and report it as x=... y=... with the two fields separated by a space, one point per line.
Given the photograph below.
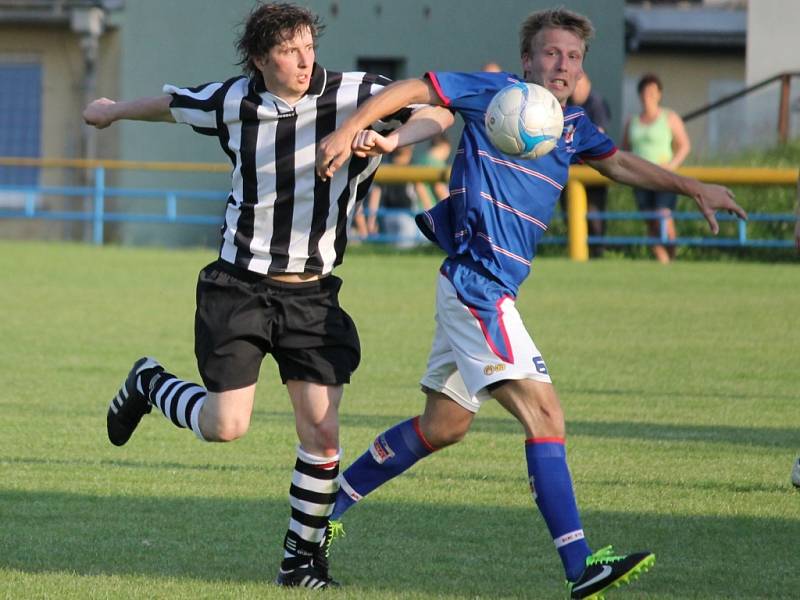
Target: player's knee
x=449 y=437
x=440 y=435
x=226 y=430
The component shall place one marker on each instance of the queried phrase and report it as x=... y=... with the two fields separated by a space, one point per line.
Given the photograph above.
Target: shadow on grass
x=771 y=437
x=678 y=393
x=768 y=437
x=420 y=548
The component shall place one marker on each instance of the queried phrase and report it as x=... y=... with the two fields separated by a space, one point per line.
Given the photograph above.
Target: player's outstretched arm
x=103 y=112
x=630 y=169
x=423 y=124
x=335 y=148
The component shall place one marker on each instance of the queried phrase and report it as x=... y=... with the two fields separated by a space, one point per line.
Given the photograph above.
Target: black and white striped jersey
x=280 y=217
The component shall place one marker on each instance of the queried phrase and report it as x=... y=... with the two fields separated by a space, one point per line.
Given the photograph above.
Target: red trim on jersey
x=415 y=425
x=544 y=440
x=435 y=82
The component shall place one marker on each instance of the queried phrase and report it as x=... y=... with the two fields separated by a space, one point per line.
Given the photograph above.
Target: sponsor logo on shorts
x=538 y=362
x=380 y=450
x=492 y=369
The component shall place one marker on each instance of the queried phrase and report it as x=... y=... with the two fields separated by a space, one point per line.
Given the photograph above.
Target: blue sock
x=551 y=486
x=392 y=452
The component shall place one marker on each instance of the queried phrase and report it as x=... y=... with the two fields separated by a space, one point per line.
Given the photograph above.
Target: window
x=20 y=119
x=393 y=68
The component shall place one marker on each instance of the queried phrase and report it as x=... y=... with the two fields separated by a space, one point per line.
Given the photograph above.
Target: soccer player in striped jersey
x=271 y=289
x=498 y=209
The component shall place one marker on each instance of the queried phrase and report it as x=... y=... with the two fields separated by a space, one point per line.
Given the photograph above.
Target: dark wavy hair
x=269 y=25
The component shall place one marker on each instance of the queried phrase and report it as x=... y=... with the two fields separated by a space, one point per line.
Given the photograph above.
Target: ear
x=526 y=64
x=260 y=61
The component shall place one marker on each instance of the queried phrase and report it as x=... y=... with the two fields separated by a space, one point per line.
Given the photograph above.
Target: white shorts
x=478 y=344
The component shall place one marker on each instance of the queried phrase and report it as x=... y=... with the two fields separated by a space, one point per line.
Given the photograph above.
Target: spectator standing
x=658 y=135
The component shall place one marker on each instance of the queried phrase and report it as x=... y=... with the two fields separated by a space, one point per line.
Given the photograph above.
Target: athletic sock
x=392 y=452
x=311 y=495
x=180 y=401
x=551 y=486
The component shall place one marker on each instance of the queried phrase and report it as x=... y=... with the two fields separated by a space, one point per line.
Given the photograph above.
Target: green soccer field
x=680 y=386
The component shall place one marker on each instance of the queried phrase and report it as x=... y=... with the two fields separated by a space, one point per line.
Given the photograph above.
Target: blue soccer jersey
x=500 y=205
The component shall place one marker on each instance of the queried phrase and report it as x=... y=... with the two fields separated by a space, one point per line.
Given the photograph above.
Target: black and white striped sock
x=311 y=495
x=180 y=401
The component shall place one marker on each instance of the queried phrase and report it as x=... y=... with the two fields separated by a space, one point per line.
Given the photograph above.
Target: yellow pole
x=578 y=231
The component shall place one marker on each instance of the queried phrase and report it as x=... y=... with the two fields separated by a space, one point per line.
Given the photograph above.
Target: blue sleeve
x=589 y=142
x=468 y=93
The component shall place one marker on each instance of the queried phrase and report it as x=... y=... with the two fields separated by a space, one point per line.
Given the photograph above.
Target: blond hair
x=554 y=18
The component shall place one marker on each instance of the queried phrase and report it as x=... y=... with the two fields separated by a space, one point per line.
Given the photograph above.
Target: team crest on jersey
x=380 y=450
x=492 y=369
x=569 y=133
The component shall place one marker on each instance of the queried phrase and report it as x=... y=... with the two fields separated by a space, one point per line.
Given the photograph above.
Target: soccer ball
x=524 y=119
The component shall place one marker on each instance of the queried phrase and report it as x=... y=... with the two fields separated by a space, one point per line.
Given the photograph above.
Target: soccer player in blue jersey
x=498 y=209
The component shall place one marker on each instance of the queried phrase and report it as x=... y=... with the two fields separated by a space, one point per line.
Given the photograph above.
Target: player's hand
x=710 y=198
x=371 y=143
x=99 y=113
x=333 y=152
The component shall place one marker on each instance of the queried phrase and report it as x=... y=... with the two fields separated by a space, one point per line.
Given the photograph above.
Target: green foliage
x=679 y=386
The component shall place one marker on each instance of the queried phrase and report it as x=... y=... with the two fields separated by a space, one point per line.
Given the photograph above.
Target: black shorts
x=241 y=316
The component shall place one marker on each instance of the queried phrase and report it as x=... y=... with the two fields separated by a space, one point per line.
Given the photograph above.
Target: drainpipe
x=89 y=23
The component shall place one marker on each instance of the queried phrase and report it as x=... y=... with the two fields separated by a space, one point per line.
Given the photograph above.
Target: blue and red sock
x=551 y=485
x=393 y=452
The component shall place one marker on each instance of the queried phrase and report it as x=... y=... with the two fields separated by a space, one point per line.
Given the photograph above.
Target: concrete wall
x=175 y=42
x=773 y=43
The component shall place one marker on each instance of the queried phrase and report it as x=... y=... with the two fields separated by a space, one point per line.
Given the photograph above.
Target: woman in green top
x=657 y=134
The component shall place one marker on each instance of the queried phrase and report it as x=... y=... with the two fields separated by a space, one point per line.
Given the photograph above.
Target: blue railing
x=99 y=195
x=742 y=240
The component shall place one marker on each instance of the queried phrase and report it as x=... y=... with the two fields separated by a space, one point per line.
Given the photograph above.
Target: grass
x=679 y=384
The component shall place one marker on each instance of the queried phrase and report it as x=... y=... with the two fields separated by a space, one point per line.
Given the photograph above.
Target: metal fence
x=95 y=206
